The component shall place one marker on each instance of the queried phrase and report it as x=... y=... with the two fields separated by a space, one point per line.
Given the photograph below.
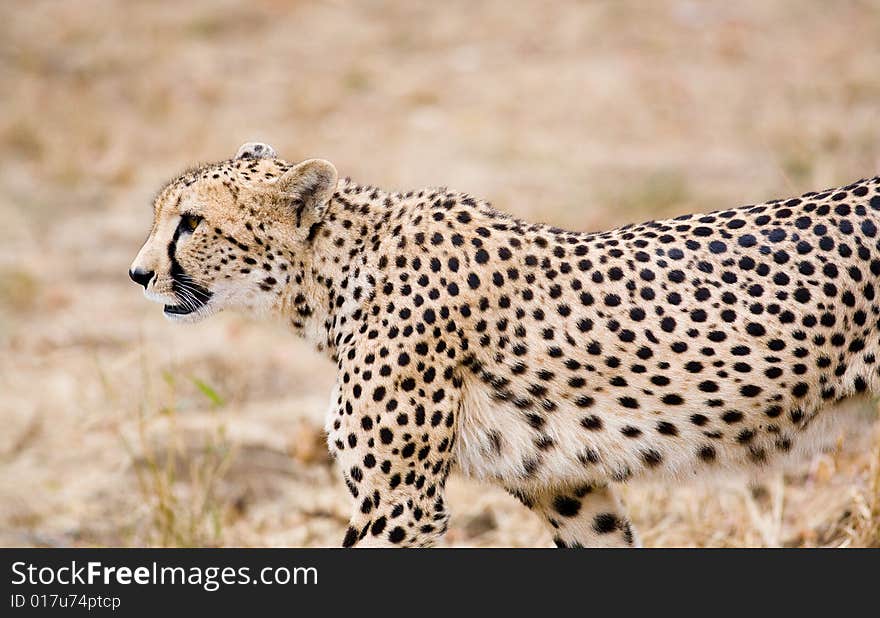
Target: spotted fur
x=555 y=364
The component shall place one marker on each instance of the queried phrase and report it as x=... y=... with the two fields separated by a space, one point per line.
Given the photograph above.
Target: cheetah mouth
x=192 y=296
x=183 y=309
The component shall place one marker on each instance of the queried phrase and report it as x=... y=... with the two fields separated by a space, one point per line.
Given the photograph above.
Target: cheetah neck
x=334 y=280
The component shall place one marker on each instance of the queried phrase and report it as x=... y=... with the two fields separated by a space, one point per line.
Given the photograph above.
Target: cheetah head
x=233 y=234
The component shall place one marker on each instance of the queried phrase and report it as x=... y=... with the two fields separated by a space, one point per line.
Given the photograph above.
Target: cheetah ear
x=309 y=186
x=255 y=150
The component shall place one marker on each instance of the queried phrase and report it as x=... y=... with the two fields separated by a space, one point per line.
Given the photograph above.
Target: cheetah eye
x=189 y=223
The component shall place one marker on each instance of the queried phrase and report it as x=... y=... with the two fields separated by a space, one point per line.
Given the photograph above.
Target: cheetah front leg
x=393 y=440
x=584 y=516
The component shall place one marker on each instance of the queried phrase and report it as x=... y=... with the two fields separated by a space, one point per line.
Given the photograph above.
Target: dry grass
x=179 y=482
x=120 y=429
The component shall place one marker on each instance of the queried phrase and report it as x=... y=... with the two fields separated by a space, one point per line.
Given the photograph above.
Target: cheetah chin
x=556 y=364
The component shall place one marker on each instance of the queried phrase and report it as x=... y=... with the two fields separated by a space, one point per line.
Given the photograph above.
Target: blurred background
x=118 y=428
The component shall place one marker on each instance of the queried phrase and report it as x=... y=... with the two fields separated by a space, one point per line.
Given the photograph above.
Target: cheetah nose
x=141 y=276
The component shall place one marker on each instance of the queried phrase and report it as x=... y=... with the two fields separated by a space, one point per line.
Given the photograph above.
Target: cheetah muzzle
x=555 y=364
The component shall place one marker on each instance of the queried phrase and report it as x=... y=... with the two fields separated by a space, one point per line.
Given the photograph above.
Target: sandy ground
x=121 y=429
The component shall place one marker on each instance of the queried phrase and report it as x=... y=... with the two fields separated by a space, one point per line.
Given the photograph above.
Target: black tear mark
x=200 y=295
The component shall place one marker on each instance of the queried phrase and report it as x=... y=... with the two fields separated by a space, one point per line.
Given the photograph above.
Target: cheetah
x=556 y=364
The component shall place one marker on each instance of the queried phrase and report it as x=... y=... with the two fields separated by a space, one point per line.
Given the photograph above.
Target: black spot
x=566 y=506
x=750 y=390
x=802 y=295
x=605 y=523
x=732 y=416
x=631 y=432
x=378 y=526
x=707 y=453
x=755 y=329
x=396 y=535
x=708 y=386
x=628 y=402
x=667 y=429
x=699 y=420
x=351 y=537
x=592 y=422
x=652 y=458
